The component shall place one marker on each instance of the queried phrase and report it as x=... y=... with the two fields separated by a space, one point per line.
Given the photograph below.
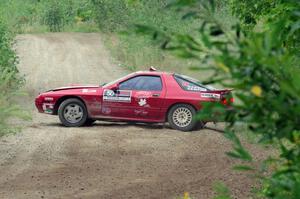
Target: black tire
x=89 y=122
x=62 y=111
x=174 y=121
x=200 y=125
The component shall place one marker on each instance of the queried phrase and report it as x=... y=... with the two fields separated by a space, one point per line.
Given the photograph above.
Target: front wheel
x=72 y=113
x=182 y=117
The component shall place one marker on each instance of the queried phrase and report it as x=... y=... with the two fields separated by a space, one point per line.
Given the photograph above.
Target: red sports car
x=145 y=96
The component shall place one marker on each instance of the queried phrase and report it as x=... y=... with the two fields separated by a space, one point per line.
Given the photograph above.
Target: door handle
x=155 y=95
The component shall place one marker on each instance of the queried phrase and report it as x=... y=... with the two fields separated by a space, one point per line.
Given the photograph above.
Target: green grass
x=30 y=16
x=138 y=53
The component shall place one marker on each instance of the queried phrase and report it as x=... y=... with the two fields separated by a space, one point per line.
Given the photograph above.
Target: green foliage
x=8 y=59
x=259 y=58
x=48 y=15
x=58 y=14
x=238 y=150
x=9 y=82
x=8 y=109
x=111 y=15
x=222 y=191
x=250 y=11
x=54 y=17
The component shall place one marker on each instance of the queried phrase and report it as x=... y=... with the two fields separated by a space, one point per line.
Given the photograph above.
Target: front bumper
x=44 y=107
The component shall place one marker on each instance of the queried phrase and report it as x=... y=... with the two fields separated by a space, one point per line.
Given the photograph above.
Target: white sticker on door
x=142 y=102
x=117 y=96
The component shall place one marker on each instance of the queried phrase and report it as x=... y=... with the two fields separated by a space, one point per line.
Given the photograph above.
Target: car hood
x=74 y=87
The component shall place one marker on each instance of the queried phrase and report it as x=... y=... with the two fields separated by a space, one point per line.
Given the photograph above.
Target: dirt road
x=107 y=160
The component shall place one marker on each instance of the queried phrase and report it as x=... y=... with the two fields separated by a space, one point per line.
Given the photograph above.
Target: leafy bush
x=258 y=57
x=9 y=82
x=54 y=17
x=111 y=16
x=8 y=58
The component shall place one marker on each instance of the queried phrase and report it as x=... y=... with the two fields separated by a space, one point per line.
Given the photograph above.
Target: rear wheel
x=72 y=113
x=182 y=117
x=200 y=125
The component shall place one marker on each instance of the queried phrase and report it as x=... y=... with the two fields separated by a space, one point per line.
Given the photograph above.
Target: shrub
x=111 y=16
x=54 y=17
x=8 y=58
x=9 y=82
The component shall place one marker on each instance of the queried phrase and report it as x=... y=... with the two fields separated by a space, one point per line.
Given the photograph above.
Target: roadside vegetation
x=10 y=81
x=39 y=16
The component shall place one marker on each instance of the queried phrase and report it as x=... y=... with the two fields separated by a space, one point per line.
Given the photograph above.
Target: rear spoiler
x=225 y=91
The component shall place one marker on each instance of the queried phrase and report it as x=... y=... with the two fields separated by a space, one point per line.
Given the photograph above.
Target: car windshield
x=192 y=84
x=115 y=81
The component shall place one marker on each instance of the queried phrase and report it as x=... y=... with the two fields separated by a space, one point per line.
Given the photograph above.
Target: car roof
x=152 y=73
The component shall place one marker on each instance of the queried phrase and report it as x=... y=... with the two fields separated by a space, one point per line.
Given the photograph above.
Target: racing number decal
x=118 y=96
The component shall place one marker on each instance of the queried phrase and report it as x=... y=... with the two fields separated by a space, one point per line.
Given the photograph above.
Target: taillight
x=224 y=101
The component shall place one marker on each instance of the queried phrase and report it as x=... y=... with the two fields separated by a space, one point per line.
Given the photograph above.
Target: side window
x=142 y=83
x=129 y=84
x=189 y=86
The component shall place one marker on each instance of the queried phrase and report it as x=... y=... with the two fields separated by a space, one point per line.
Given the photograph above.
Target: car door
x=137 y=98
x=148 y=98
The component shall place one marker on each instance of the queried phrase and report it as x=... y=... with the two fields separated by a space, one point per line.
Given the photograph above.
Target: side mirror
x=115 y=87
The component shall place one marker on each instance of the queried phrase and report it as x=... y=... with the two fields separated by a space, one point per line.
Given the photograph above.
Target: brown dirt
x=107 y=160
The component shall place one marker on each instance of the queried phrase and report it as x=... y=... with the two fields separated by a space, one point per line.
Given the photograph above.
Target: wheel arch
x=63 y=98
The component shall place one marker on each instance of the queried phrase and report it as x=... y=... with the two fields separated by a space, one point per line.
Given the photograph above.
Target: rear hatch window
x=190 y=84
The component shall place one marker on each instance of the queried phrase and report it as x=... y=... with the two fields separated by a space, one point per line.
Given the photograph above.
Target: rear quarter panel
x=175 y=95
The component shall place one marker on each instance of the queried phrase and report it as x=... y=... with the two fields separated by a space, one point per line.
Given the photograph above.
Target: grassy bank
x=139 y=52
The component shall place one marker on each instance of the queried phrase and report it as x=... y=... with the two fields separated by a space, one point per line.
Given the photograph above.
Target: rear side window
x=188 y=85
x=142 y=83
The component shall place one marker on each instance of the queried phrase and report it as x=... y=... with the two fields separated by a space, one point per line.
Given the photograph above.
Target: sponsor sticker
x=195 y=88
x=106 y=110
x=118 y=96
x=48 y=98
x=48 y=108
x=141 y=112
x=142 y=102
x=210 y=95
